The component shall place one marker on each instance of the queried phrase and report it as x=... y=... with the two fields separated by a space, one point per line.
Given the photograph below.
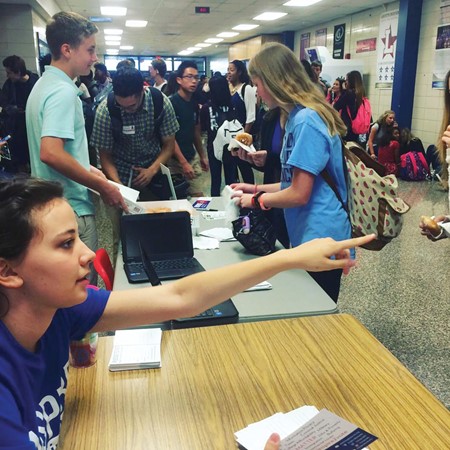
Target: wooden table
x=216 y=380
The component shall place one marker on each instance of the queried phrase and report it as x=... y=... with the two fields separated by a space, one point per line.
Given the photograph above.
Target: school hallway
x=401 y=293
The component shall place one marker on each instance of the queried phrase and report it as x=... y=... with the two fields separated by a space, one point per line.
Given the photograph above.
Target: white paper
x=221 y=234
x=264 y=285
x=136 y=349
x=127 y=192
x=255 y=435
x=236 y=144
x=214 y=215
x=230 y=207
x=205 y=243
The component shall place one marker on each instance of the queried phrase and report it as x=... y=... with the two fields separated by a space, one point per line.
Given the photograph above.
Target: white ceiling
x=173 y=25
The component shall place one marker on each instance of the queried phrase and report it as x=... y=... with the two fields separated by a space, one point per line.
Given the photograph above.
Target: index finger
x=357 y=242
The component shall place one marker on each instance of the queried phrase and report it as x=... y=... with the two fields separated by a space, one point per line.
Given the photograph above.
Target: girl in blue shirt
x=45 y=302
x=311 y=145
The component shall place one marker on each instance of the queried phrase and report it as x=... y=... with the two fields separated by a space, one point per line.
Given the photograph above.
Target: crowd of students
x=45 y=225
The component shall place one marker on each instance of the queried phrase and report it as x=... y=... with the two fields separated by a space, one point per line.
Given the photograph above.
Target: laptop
x=167 y=239
x=222 y=314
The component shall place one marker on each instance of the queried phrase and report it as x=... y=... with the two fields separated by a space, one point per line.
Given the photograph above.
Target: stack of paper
x=136 y=349
x=306 y=428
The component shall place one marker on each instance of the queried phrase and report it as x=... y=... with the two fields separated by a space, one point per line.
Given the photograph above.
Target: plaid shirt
x=138 y=149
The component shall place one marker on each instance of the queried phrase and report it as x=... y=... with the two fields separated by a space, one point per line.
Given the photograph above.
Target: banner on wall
x=339 y=41
x=305 y=39
x=321 y=37
x=366 y=45
x=386 y=45
x=441 y=56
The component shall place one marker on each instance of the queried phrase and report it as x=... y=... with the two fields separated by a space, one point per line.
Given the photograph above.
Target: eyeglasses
x=191 y=77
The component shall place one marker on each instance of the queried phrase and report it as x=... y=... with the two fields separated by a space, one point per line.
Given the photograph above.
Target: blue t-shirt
x=33 y=385
x=308 y=146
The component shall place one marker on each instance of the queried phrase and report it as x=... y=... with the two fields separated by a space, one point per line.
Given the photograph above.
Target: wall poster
x=387 y=46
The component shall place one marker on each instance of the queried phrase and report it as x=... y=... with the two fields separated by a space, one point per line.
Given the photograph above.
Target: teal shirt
x=54 y=110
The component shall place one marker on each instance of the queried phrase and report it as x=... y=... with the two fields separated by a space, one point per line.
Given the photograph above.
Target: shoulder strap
x=243 y=90
x=116 y=118
x=329 y=180
x=158 y=109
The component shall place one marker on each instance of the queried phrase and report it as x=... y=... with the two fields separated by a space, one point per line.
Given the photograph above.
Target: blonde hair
x=288 y=83
x=382 y=119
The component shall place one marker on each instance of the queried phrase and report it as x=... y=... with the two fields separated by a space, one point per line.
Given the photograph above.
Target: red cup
x=82 y=353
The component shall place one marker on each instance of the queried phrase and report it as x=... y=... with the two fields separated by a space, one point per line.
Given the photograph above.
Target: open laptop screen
x=163 y=235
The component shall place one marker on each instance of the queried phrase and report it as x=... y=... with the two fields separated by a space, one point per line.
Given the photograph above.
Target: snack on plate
x=158 y=210
x=245 y=138
x=431 y=225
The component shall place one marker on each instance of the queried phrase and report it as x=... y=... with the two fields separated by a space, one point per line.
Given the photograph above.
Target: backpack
x=361 y=122
x=116 y=118
x=373 y=205
x=413 y=166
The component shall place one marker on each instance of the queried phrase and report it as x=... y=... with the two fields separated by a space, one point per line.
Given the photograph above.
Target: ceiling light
x=112 y=43
x=116 y=31
x=192 y=49
x=126 y=47
x=185 y=52
x=112 y=51
x=227 y=34
x=301 y=2
x=136 y=23
x=112 y=37
x=113 y=11
x=202 y=44
x=100 y=19
x=245 y=27
x=269 y=16
x=213 y=40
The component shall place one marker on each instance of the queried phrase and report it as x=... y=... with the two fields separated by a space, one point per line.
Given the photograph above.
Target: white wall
x=428 y=102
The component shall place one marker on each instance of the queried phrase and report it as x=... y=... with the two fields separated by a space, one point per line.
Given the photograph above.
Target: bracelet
x=261 y=203
x=255 y=200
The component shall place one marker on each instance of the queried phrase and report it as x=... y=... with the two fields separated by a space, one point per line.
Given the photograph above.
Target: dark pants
x=231 y=164
x=329 y=281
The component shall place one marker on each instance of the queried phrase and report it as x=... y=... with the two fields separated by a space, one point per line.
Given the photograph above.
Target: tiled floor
x=402 y=293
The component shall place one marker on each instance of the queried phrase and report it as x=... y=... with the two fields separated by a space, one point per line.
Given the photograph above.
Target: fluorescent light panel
x=192 y=49
x=113 y=11
x=112 y=51
x=245 y=27
x=213 y=40
x=185 y=52
x=126 y=47
x=227 y=34
x=136 y=23
x=269 y=16
x=112 y=37
x=112 y=43
x=115 y=31
x=202 y=44
x=301 y=2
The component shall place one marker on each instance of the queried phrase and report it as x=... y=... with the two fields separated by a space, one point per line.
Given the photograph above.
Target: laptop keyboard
x=136 y=267
x=174 y=264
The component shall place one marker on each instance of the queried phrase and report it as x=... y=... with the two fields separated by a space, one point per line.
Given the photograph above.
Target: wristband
x=255 y=200
x=261 y=203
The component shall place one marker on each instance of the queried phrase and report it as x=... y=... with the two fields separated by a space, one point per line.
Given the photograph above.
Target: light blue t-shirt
x=54 y=109
x=308 y=146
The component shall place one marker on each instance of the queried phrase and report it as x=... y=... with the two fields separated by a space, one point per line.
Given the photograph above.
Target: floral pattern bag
x=373 y=204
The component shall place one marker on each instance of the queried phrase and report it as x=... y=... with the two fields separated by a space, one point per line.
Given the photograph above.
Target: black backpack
x=116 y=118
